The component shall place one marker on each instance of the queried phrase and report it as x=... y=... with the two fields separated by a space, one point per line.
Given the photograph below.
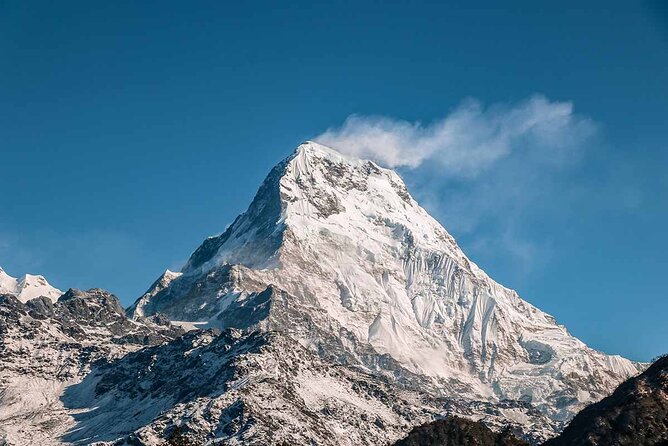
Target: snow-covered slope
x=27 y=287
x=336 y=253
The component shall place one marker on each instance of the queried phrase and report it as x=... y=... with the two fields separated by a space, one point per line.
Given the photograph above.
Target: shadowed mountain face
x=636 y=414
x=46 y=346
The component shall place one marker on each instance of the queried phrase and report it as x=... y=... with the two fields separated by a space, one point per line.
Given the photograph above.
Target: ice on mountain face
x=27 y=287
x=369 y=274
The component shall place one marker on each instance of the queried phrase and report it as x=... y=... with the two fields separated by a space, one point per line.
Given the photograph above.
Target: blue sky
x=129 y=131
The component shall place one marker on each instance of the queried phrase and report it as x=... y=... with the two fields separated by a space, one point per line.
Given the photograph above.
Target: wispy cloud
x=485 y=172
x=467 y=141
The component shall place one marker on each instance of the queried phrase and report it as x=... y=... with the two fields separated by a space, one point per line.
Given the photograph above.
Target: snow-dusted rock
x=253 y=388
x=46 y=347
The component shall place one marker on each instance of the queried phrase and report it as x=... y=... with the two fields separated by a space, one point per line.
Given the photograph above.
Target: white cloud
x=469 y=140
x=490 y=174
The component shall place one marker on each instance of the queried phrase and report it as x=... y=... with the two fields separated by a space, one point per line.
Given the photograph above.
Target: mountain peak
x=335 y=252
x=27 y=287
x=312 y=149
x=312 y=185
x=309 y=150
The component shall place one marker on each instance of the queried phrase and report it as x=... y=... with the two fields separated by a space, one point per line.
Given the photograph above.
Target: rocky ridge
x=46 y=346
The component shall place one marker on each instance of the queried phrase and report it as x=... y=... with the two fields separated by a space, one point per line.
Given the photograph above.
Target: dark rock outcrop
x=455 y=431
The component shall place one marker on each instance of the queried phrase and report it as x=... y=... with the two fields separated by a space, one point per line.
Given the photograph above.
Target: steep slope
x=336 y=253
x=636 y=414
x=27 y=287
x=47 y=346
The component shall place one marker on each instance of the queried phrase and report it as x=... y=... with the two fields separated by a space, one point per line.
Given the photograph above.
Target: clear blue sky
x=129 y=131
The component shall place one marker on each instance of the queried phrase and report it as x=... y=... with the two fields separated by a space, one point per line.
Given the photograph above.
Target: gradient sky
x=129 y=131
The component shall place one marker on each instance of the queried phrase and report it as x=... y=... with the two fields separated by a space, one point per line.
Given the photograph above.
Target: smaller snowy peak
x=27 y=287
x=31 y=286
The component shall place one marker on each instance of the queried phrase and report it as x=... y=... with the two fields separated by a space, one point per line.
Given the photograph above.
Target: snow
x=31 y=411
x=190 y=326
x=27 y=287
x=45 y=350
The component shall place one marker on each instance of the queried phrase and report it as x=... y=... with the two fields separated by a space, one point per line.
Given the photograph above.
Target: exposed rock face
x=248 y=388
x=636 y=414
x=46 y=346
x=374 y=281
x=241 y=388
x=454 y=431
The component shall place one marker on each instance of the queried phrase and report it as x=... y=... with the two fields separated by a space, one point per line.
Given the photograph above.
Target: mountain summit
x=334 y=252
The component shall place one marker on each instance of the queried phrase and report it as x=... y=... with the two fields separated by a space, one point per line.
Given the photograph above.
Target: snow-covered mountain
x=334 y=252
x=27 y=287
x=334 y=311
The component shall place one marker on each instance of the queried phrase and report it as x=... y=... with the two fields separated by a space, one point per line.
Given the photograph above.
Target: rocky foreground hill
x=455 y=431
